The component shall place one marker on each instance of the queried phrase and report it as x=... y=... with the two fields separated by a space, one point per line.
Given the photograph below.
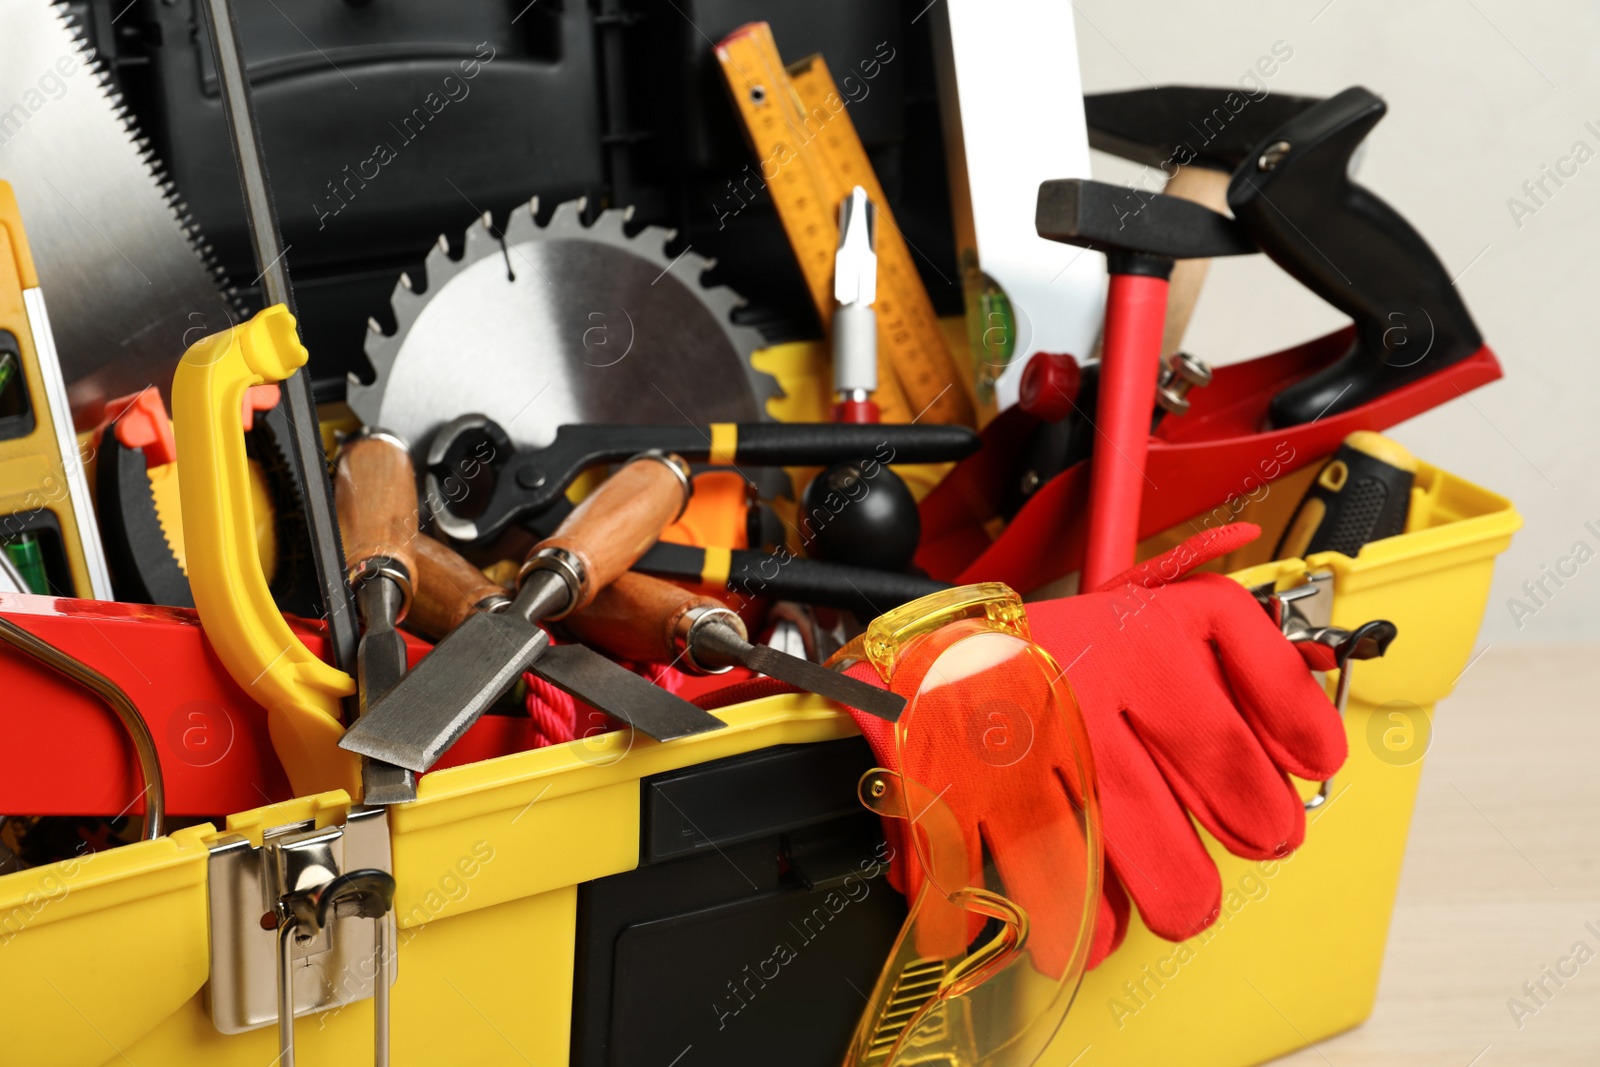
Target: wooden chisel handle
x=449 y=590
x=646 y=619
x=613 y=527
x=375 y=496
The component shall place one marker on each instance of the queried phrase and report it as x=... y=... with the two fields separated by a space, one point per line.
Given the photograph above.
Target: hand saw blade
x=128 y=280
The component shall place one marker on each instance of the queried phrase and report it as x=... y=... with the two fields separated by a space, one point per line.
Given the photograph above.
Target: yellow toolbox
x=113 y=959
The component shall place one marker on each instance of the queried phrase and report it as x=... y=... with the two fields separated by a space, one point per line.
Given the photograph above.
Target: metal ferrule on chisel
x=492 y=603
x=639 y=617
x=363 y=573
x=487 y=652
x=697 y=646
x=548 y=584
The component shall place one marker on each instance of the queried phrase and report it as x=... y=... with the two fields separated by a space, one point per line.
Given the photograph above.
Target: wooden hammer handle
x=1209 y=188
x=638 y=617
x=375 y=496
x=449 y=590
x=620 y=520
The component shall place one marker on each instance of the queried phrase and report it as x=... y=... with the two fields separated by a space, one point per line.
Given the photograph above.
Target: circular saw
x=561 y=323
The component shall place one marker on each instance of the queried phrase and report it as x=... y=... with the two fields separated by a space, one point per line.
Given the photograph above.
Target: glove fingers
x=1043 y=863
x=1158 y=856
x=1287 y=709
x=1216 y=767
x=1111 y=919
x=1197 y=551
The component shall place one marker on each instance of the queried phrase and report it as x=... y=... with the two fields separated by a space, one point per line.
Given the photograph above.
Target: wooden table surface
x=1501 y=884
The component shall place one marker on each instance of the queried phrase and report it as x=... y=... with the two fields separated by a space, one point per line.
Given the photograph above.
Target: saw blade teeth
x=724 y=302
x=100 y=74
x=367 y=400
x=568 y=215
x=656 y=238
x=407 y=304
x=439 y=266
x=480 y=241
x=521 y=227
x=690 y=267
x=610 y=224
x=356 y=397
x=374 y=326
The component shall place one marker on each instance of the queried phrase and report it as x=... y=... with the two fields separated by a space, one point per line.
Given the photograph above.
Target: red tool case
x=1218 y=451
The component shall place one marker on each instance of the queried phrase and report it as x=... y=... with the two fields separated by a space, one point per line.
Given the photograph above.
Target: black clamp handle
x=1170 y=126
x=1295 y=197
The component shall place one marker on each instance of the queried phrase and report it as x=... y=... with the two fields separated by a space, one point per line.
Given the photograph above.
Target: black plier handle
x=529 y=481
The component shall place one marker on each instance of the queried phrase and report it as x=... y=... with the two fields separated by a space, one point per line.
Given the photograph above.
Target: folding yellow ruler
x=810 y=158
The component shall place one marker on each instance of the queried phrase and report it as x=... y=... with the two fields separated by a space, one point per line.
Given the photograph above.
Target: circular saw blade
x=561 y=323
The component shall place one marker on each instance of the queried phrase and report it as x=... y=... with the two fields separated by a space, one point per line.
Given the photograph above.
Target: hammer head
x=1183 y=125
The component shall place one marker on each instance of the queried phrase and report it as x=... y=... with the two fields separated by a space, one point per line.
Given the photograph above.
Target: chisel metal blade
x=439 y=701
x=381 y=664
x=589 y=676
x=804 y=674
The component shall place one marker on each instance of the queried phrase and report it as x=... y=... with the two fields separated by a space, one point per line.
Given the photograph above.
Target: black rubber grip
x=1356 y=498
x=823 y=443
x=1356 y=252
x=866 y=592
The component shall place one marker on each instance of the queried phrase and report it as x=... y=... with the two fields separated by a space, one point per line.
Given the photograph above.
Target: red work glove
x=1195 y=704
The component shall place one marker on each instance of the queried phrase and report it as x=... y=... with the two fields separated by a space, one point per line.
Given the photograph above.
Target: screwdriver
x=642 y=618
x=855 y=324
x=1363 y=494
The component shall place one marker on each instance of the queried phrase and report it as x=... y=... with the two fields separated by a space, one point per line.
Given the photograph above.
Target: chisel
x=449 y=591
x=375 y=497
x=643 y=618
x=429 y=711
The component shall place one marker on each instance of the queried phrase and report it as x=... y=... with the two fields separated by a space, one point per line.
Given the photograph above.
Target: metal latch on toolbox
x=1304 y=613
x=302 y=923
